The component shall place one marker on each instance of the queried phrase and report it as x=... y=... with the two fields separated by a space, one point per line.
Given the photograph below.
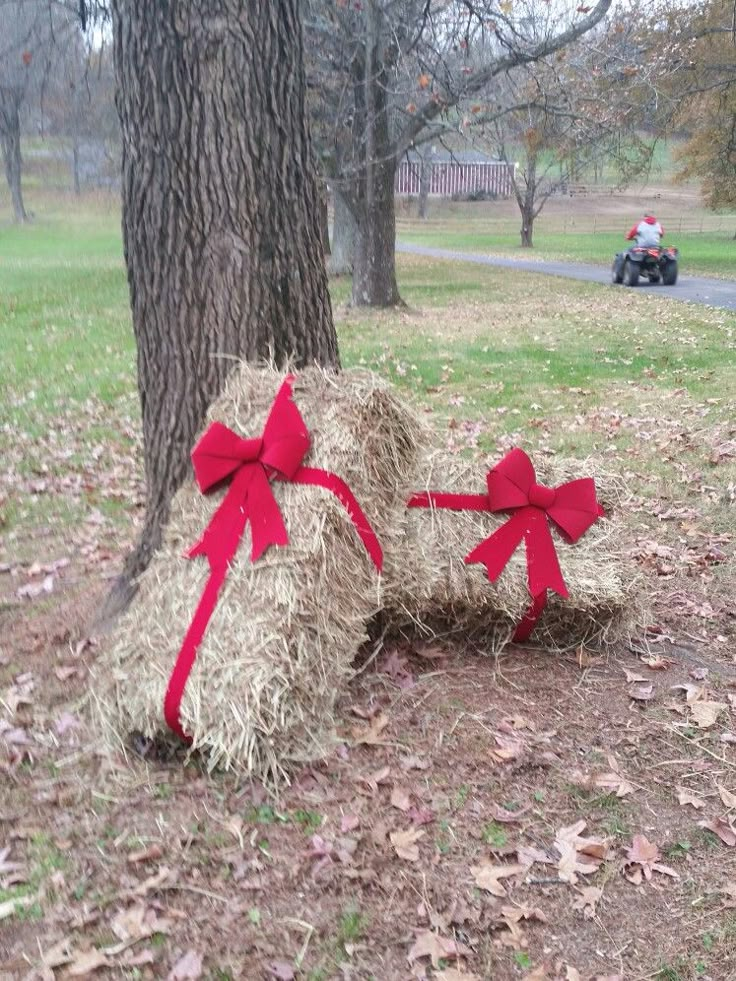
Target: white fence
x=450 y=178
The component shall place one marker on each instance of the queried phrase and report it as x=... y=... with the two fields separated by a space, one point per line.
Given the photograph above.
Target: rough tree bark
x=525 y=198
x=343 y=237
x=324 y=221
x=374 y=268
x=10 y=140
x=220 y=218
x=527 y=225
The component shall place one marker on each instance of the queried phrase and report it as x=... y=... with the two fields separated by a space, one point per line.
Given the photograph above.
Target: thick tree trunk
x=343 y=237
x=324 y=220
x=374 y=268
x=220 y=217
x=10 y=139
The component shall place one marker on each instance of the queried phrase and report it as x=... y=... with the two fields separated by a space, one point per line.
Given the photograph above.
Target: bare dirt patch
x=478 y=811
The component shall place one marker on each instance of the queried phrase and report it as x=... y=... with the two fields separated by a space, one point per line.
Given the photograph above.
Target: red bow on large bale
x=251 y=465
x=513 y=487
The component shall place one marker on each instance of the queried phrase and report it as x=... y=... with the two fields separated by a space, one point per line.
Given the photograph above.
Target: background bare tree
x=392 y=74
x=578 y=112
x=79 y=107
x=33 y=34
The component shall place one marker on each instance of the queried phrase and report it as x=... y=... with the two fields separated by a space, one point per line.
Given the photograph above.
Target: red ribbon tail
x=529 y=620
x=337 y=486
x=543 y=566
x=221 y=537
x=187 y=654
x=266 y=521
x=496 y=550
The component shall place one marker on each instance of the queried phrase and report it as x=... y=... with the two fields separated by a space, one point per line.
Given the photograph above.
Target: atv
x=657 y=264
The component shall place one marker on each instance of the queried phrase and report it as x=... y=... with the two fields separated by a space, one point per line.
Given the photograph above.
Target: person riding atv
x=648 y=232
x=646 y=257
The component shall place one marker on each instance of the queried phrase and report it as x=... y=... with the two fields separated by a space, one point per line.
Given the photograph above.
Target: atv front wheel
x=616 y=276
x=631 y=273
x=669 y=274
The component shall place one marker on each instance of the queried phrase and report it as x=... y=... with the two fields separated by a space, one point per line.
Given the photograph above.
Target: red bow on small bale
x=251 y=466
x=512 y=487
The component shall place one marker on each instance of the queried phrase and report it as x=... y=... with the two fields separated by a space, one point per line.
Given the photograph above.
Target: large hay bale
x=279 y=646
x=432 y=592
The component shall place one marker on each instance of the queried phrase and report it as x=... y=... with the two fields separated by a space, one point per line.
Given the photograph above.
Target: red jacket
x=636 y=230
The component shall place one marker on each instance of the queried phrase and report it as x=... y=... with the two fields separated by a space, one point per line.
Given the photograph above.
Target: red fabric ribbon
x=251 y=465
x=513 y=487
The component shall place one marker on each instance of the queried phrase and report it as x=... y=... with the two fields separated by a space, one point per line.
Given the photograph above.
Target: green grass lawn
x=491 y=354
x=706 y=253
x=64 y=315
x=67 y=333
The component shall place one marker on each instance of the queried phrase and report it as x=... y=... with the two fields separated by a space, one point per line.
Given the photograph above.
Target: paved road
x=693 y=289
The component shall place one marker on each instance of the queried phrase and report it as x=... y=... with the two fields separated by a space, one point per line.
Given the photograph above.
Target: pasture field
x=138 y=867
x=584 y=228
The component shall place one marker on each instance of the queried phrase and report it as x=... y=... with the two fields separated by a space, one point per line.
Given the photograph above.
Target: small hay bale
x=278 y=649
x=432 y=592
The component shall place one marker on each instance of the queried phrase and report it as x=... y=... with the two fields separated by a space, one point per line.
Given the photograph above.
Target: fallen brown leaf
x=405 y=843
x=437 y=948
x=721 y=827
x=400 y=799
x=512 y=917
x=612 y=782
x=487 y=876
x=705 y=714
x=728 y=798
x=643 y=855
x=587 y=900
x=138 y=923
x=507 y=749
x=578 y=854
x=378 y=777
x=685 y=797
